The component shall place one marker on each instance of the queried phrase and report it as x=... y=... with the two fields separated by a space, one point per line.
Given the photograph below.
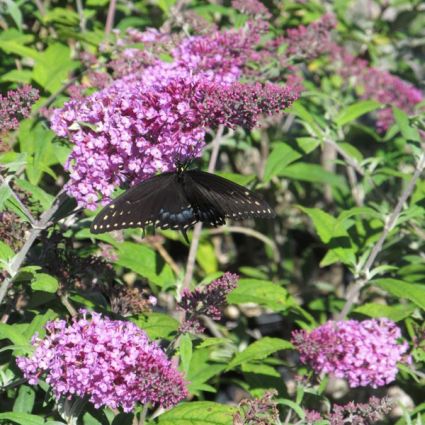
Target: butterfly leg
x=184 y=233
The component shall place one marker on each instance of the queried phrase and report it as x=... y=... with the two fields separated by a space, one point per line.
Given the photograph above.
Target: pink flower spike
x=111 y=362
x=365 y=353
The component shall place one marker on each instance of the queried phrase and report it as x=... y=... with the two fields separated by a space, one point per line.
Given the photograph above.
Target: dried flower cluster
x=111 y=362
x=259 y=411
x=365 y=353
x=353 y=413
x=127 y=301
x=206 y=301
x=15 y=106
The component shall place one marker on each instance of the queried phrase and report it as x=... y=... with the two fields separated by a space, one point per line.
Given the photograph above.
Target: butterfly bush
x=364 y=353
x=142 y=123
x=111 y=362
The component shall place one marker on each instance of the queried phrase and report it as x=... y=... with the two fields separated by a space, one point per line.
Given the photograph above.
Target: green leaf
x=145 y=261
x=16 y=48
x=25 y=400
x=53 y=66
x=402 y=289
x=261 y=292
x=37 y=324
x=313 y=173
x=12 y=8
x=240 y=179
x=402 y=120
x=22 y=418
x=281 y=156
x=6 y=252
x=36 y=141
x=259 y=350
x=393 y=312
x=157 y=325
x=356 y=110
x=36 y=193
x=13 y=334
x=165 y=5
x=324 y=223
x=198 y=413
x=213 y=341
x=5 y=194
x=186 y=351
x=260 y=369
x=308 y=120
x=45 y=282
x=17 y=76
x=307 y=144
x=206 y=257
x=332 y=232
x=294 y=406
x=202 y=367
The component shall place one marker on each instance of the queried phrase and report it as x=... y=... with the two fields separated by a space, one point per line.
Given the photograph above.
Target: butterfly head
x=182 y=166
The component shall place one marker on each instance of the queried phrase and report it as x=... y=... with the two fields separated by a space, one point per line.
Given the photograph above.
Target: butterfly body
x=177 y=200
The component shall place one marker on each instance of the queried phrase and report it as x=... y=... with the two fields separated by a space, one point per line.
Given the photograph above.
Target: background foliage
x=348 y=237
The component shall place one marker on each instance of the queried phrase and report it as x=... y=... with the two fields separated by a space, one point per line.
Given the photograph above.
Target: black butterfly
x=177 y=200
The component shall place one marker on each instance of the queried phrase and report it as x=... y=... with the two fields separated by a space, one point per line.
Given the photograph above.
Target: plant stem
x=110 y=17
x=67 y=304
x=38 y=227
x=143 y=414
x=354 y=291
x=253 y=233
x=80 y=10
x=190 y=265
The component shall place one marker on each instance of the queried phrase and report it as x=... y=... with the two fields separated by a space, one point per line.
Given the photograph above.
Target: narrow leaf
x=355 y=111
x=260 y=350
x=198 y=413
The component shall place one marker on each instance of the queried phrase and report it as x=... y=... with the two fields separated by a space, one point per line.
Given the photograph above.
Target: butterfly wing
x=205 y=208
x=159 y=201
x=233 y=200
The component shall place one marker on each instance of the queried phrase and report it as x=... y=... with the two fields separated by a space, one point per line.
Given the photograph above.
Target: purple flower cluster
x=312 y=40
x=15 y=106
x=142 y=123
x=111 y=362
x=252 y=8
x=378 y=85
x=223 y=55
x=206 y=301
x=365 y=353
x=129 y=131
